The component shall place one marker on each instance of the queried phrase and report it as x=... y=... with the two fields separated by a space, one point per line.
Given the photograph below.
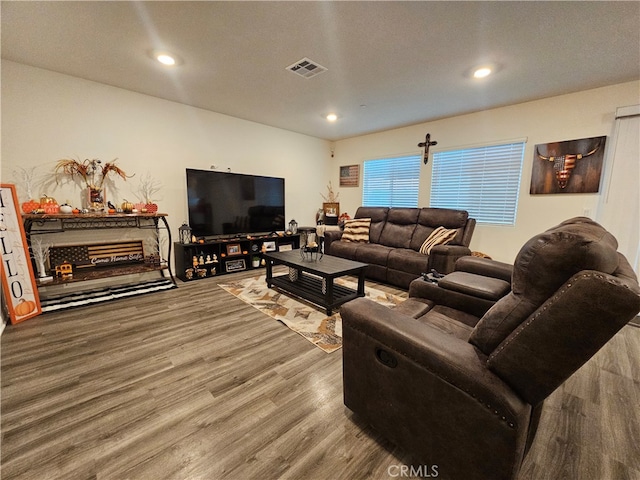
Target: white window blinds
x=391 y=182
x=485 y=181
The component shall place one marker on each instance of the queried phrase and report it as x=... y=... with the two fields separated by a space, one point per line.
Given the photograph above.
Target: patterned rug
x=302 y=317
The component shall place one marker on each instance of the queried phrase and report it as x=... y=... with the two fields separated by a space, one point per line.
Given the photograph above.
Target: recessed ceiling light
x=166 y=58
x=332 y=117
x=482 y=72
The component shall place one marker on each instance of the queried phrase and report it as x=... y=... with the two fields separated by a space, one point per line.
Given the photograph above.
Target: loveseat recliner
x=461 y=385
x=475 y=285
x=395 y=237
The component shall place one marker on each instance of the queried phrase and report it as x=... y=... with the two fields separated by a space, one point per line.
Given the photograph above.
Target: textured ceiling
x=390 y=64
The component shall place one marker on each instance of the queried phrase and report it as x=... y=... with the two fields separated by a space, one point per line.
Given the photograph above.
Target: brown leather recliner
x=463 y=389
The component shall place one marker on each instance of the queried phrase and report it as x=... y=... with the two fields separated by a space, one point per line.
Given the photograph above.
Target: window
x=391 y=182
x=485 y=181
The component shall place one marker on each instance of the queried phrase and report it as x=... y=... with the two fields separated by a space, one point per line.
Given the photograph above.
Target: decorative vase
x=96 y=198
x=42 y=269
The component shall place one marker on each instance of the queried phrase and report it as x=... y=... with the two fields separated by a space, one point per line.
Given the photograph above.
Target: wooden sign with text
x=18 y=281
x=98 y=255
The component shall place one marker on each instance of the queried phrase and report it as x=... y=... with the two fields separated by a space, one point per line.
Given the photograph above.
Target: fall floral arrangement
x=92 y=172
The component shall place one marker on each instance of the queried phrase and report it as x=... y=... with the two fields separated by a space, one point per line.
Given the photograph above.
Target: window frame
x=396 y=184
x=483 y=179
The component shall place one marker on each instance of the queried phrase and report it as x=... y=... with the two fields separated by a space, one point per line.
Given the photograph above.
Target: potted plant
x=255 y=261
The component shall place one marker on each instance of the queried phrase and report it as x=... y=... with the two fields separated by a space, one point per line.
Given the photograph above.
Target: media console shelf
x=216 y=257
x=96 y=257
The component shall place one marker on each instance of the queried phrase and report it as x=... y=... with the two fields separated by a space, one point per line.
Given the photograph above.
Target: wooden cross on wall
x=426 y=144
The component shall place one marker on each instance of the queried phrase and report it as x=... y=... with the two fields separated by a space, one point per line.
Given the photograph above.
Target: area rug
x=304 y=318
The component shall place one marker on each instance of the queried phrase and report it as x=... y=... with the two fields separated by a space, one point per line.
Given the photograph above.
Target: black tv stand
x=220 y=255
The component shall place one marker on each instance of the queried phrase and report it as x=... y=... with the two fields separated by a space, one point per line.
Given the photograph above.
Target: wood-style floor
x=192 y=383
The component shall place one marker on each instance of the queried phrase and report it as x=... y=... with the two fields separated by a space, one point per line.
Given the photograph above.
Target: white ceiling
x=390 y=64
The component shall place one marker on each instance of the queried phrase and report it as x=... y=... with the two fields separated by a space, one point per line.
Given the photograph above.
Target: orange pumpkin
x=30 y=206
x=24 y=307
x=151 y=207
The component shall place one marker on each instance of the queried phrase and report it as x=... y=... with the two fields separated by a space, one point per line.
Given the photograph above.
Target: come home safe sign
x=18 y=281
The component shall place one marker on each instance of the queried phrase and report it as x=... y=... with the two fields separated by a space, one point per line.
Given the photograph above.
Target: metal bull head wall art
x=555 y=163
x=563 y=164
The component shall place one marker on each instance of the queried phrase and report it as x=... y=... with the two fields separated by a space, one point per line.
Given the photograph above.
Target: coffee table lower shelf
x=310 y=287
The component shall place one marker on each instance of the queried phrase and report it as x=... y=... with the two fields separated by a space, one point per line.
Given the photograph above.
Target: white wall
x=47 y=116
x=567 y=117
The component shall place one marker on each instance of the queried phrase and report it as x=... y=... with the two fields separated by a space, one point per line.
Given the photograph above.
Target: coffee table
x=312 y=279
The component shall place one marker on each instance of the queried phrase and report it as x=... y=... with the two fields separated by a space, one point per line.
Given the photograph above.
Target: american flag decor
x=349 y=175
x=105 y=254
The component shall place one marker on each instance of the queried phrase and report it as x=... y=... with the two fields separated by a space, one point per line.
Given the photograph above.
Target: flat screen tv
x=228 y=204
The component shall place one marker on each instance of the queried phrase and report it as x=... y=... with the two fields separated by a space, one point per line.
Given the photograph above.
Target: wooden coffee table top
x=326 y=266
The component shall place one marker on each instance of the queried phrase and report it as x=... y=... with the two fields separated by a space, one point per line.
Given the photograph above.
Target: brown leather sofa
x=395 y=238
x=461 y=386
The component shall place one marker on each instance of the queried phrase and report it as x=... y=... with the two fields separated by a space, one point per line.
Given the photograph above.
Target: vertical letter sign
x=18 y=282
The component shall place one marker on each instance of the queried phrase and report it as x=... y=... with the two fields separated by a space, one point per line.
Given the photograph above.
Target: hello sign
x=18 y=282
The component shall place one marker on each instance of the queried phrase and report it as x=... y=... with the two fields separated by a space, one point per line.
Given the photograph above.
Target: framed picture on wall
x=349 y=175
x=571 y=166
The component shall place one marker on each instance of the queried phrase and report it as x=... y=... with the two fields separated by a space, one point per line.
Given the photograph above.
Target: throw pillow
x=440 y=236
x=356 y=230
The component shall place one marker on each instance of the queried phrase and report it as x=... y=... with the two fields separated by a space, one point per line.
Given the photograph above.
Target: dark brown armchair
x=460 y=384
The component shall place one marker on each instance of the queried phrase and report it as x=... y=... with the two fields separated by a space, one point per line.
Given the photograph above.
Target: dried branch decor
x=92 y=172
x=148 y=187
x=40 y=251
x=331 y=196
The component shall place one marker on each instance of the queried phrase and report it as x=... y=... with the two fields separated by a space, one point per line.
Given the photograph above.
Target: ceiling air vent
x=306 y=68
